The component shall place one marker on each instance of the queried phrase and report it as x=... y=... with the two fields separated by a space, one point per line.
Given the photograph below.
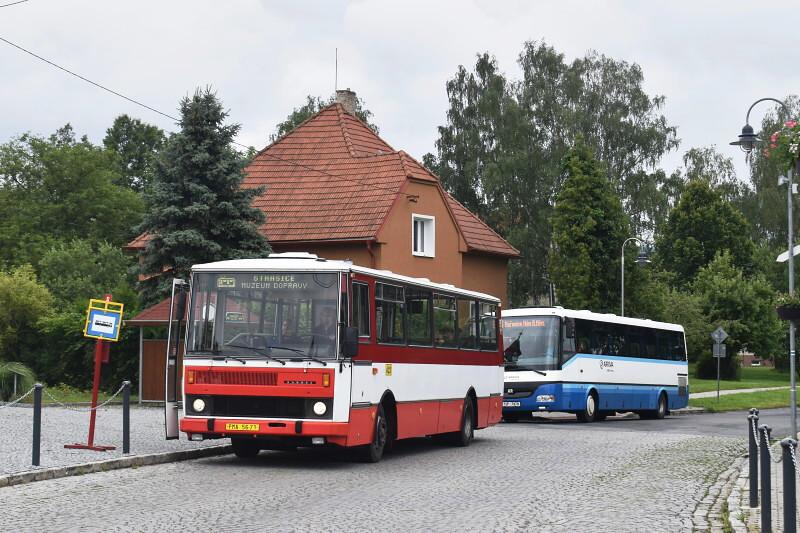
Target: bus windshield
x=264 y=314
x=531 y=343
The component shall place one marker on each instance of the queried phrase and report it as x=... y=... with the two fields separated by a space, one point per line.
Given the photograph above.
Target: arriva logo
x=606 y=364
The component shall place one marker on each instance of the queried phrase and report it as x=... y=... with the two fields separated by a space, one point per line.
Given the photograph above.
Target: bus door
x=177 y=311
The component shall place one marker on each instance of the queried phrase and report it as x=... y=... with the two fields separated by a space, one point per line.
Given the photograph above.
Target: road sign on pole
x=720 y=350
x=719 y=335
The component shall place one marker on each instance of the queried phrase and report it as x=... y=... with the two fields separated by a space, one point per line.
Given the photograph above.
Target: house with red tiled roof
x=336 y=189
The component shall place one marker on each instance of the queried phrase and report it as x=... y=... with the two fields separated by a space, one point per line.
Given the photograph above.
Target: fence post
x=37 y=424
x=752 y=423
x=789 y=497
x=126 y=417
x=766 y=484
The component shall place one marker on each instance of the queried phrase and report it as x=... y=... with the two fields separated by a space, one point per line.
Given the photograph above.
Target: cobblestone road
x=62 y=426
x=523 y=477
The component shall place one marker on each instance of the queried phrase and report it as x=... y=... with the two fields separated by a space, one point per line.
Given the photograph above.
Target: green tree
x=701 y=225
x=23 y=303
x=77 y=271
x=589 y=227
x=135 y=145
x=312 y=106
x=686 y=309
x=197 y=210
x=744 y=307
x=501 y=149
x=60 y=188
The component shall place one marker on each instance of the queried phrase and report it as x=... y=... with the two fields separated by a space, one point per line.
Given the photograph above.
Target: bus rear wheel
x=589 y=412
x=660 y=411
x=464 y=435
x=245 y=448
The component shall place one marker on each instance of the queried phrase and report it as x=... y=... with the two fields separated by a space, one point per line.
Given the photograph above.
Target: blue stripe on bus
x=620 y=358
x=571 y=397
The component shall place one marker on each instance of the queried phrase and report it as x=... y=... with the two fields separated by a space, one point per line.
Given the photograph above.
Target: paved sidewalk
x=64 y=426
x=712 y=394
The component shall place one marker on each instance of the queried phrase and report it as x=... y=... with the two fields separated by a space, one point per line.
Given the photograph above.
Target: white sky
x=711 y=59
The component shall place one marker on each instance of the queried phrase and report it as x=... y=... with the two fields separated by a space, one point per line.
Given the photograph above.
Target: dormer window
x=423 y=235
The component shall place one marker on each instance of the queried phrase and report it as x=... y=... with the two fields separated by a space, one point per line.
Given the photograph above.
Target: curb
x=113 y=464
x=688 y=411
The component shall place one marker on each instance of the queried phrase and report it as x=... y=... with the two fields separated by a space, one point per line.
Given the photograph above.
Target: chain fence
x=777 y=493
x=9 y=404
x=71 y=407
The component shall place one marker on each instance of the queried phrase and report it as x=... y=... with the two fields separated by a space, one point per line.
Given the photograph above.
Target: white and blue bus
x=591 y=364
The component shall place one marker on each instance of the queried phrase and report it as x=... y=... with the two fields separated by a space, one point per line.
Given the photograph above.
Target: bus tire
x=245 y=448
x=464 y=435
x=660 y=411
x=373 y=452
x=589 y=411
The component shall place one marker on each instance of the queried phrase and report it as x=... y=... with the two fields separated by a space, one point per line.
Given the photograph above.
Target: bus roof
x=304 y=262
x=589 y=315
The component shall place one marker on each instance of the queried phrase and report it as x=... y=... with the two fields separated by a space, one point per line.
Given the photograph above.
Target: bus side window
x=467 y=325
x=418 y=312
x=568 y=339
x=390 y=313
x=444 y=320
x=361 y=308
x=582 y=336
x=488 y=330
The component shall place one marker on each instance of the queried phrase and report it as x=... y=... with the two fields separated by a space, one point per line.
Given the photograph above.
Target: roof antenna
x=336 y=73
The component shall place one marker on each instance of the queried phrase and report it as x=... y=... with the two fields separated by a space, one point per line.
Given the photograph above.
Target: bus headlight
x=546 y=398
x=320 y=408
x=199 y=405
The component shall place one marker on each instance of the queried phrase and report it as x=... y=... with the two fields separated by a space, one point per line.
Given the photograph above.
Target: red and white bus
x=295 y=350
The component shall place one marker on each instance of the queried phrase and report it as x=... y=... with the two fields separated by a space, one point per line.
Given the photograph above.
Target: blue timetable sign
x=103 y=320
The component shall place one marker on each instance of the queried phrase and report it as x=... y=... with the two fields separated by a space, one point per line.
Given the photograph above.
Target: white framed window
x=423 y=235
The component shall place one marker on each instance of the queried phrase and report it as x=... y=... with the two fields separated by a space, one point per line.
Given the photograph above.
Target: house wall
x=395 y=238
x=355 y=252
x=485 y=273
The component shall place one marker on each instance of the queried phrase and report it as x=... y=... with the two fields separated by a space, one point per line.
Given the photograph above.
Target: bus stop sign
x=103 y=320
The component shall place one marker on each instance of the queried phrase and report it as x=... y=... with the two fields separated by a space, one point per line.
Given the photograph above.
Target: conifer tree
x=197 y=210
x=589 y=227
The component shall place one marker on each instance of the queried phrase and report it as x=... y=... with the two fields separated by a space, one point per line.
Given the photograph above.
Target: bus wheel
x=245 y=448
x=464 y=436
x=373 y=452
x=589 y=412
x=660 y=411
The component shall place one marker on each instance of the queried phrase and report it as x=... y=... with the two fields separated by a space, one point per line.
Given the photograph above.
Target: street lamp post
x=641 y=260
x=747 y=142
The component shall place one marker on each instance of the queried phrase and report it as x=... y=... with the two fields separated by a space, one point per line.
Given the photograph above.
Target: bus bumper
x=356 y=432
x=528 y=398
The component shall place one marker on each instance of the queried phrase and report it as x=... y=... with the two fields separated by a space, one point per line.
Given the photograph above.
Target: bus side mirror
x=350 y=345
x=570 y=328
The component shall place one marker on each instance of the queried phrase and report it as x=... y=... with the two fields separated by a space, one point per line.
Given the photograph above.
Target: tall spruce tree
x=197 y=210
x=589 y=227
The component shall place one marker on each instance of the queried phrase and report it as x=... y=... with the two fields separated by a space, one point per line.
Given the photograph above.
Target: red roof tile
x=332 y=178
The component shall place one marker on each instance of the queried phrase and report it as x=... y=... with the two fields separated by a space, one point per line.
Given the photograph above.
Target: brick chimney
x=347 y=98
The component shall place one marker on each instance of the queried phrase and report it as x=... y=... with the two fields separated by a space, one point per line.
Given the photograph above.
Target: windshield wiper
x=259 y=351
x=226 y=357
x=521 y=367
x=308 y=356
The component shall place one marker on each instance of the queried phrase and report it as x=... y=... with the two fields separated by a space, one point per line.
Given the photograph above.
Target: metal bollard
x=126 y=417
x=789 y=497
x=37 y=424
x=752 y=422
x=766 y=482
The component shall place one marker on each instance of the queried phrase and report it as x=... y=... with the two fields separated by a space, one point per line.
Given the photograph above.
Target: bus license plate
x=511 y=404
x=242 y=427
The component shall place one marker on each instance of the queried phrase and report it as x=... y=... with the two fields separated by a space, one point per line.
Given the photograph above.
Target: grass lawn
x=744 y=401
x=753 y=377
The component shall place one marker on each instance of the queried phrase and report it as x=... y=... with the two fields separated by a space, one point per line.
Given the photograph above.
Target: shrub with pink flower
x=784 y=145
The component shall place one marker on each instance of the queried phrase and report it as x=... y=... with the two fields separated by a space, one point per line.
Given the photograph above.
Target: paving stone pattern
x=63 y=426
x=523 y=477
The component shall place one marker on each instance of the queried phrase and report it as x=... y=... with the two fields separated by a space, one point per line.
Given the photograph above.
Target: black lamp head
x=747 y=140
